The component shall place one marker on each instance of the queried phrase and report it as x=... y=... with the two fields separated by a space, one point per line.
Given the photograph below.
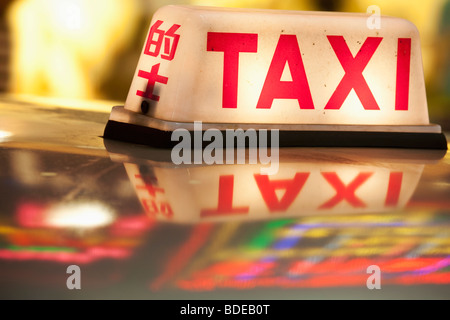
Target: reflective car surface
x=331 y=224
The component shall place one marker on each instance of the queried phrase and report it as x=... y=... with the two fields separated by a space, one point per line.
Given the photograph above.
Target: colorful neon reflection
x=38 y=237
x=323 y=252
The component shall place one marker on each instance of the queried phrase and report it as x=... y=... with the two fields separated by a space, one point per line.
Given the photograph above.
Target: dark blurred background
x=86 y=49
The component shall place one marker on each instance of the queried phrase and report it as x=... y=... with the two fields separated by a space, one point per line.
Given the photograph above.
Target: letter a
x=286 y=52
x=74 y=281
x=374 y=21
x=292 y=188
x=181 y=153
x=374 y=281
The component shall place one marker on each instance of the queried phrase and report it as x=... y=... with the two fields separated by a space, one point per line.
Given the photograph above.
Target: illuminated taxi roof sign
x=322 y=79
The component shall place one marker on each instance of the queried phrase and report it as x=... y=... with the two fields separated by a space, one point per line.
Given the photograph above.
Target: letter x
x=353 y=78
x=344 y=192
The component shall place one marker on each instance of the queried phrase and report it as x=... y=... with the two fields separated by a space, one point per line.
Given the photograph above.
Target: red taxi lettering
x=394 y=186
x=231 y=44
x=344 y=192
x=225 y=204
x=403 y=69
x=288 y=53
x=292 y=188
x=353 y=78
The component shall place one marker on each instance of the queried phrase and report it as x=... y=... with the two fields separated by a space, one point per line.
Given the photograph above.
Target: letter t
x=231 y=44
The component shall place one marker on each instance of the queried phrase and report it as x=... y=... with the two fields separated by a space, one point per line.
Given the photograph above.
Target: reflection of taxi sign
x=322 y=79
x=310 y=182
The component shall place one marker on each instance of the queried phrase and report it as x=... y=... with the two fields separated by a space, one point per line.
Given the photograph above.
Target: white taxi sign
x=308 y=74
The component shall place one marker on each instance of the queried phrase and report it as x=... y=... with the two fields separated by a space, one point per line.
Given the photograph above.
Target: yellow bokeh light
x=69 y=48
x=63 y=47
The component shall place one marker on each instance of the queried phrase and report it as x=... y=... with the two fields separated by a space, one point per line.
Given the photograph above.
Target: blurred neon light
x=90 y=255
x=256 y=269
x=5 y=135
x=198 y=236
x=80 y=215
x=435 y=267
x=286 y=243
x=132 y=225
x=265 y=237
x=268 y=261
x=31 y=215
x=273 y=259
x=41 y=249
x=325 y=274
x=434 y=278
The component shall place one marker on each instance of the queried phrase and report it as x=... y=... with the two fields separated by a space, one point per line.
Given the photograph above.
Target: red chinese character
x=151 y=207
x=169 y=38
x=148 y=186
x=152 y=78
